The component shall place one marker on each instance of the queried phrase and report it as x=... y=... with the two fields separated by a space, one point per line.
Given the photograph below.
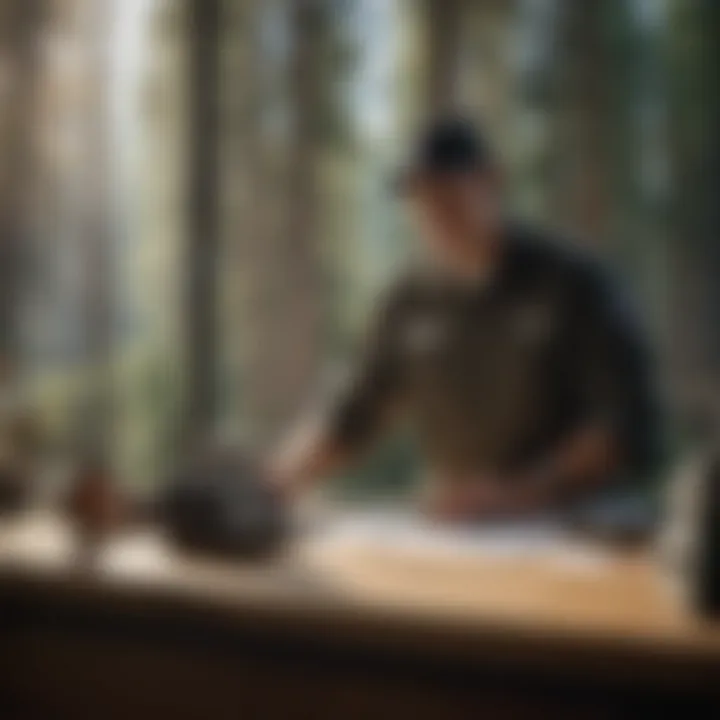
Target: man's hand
x=580 y=464
x=308 y=457
x=478 y=498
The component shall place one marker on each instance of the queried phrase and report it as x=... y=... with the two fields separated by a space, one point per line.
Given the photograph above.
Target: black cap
x=446 y=146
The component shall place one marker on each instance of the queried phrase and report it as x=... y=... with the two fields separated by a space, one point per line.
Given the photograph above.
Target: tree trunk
x=19 y=25
x=582 y=149
x=96 y=226
x=695 y=218
x=443 y=23
x=302 y=334
x=248 y=81
x=203 y=237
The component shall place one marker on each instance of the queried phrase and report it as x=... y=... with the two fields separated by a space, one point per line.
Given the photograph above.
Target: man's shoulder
x=589 y=287
x=550 y=255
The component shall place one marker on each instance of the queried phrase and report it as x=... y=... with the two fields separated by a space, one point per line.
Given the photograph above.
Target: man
x=518 y=364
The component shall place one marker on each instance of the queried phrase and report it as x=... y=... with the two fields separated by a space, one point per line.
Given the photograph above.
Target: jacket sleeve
x=614 y=371
x=361 y=410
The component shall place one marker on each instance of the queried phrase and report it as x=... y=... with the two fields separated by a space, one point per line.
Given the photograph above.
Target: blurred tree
x=692 y=55
x=150 y=127
x=20 y=23
x=204 y=18
x=582 y=115
x=588 y=84
x=310 y=118
x=244 y=83
x=487 y=81
x=255 y=135
x=443 y=21
x=284 y=118
x=96 y=407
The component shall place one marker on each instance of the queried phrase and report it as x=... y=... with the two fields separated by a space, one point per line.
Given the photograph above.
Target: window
x=248 y=145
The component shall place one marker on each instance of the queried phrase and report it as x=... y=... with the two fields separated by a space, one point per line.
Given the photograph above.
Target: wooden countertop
x=593 y=608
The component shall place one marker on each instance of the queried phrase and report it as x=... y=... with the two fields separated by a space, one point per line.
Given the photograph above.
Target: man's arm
x=616 y=436
x=582 y=461
x=307 y=457
x=322 y=447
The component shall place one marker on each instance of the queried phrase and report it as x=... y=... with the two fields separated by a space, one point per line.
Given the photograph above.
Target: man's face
x=456 y=215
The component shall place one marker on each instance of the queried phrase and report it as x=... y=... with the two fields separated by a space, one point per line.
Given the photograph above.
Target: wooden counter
x=350 y=626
